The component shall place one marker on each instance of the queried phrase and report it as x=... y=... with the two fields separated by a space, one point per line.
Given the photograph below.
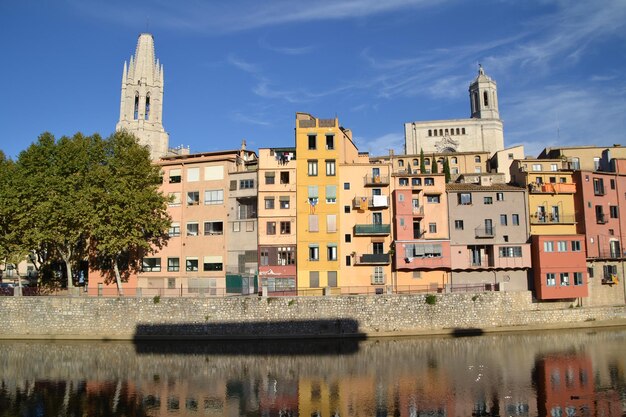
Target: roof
x=476 y=187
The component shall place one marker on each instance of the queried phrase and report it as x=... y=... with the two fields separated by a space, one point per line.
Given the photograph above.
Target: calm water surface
x=564 y=373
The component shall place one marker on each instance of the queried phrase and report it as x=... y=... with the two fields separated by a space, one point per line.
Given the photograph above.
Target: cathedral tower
x=141 y=106
x=484 y=97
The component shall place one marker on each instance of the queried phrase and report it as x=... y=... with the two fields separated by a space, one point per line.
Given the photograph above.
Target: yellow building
x=550 y=195
x=320 y=145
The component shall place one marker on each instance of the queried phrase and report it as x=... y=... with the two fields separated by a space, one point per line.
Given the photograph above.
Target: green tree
x=10 y=248
x=55 y=190
x=131 y=212
x=422 y=163
x=446 y=169
x=435 y=166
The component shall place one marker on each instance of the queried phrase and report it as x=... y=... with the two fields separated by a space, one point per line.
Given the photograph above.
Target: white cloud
x=285 y=50
x=380 y=146
x=242 y=65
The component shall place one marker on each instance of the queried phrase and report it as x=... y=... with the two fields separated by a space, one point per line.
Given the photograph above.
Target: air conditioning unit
x=408 y=260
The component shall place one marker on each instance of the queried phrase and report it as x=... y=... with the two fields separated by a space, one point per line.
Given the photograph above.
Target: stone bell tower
x=484 y=97
x=141 y=106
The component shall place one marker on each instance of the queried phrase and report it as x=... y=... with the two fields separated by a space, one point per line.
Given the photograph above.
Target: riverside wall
x=269 y=317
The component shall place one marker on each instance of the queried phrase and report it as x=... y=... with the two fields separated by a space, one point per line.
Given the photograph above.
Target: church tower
x=484 y=97
x=141 y=106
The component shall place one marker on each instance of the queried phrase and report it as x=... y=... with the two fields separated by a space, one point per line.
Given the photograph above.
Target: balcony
x=482 y=261
x=371 y=229
x=601 y=218
x=598 y=190
x=373 y=259
x=552 y=219
x=485 y=232
x=364 y=203
x=375 y=180
x=553 y=188
x=418 y=211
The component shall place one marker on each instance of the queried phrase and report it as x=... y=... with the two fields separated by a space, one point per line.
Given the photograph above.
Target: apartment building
x=558 y=249
x=488 y=235
x=277 y=202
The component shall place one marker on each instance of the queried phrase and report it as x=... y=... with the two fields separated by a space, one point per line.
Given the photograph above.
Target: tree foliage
x=446 y=169
x=422 y=162
x=435 y=166
x=84 y=198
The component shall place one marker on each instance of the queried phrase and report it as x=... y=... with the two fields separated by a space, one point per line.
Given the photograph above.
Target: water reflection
x=552 y=374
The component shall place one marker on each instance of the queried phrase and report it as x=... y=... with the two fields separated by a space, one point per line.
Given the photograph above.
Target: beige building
x=141 y=104
x=277 y=220
x=585 y=158
x=483 y=131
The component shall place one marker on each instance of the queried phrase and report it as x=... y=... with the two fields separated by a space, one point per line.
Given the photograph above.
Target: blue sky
x=242 y=68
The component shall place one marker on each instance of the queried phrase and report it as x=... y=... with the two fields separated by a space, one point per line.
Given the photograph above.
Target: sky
x=241 y=69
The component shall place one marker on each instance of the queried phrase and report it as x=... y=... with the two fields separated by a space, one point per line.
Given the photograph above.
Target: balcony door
x=377 y=218
x=488 y=227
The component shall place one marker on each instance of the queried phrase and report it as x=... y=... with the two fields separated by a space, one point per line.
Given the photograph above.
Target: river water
x=555 y=373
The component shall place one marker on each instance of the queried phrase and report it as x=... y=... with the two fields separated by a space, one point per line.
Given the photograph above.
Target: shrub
x=431 y=299
x=156 y=299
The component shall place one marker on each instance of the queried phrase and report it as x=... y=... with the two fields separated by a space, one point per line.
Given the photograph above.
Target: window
x=147 y=115
x=285 y=228
x=613 y=212
x=487 y=200
x=432 y=227
x=330 y=142
x=575 y=245
x=312 y=168
x=174 y=230
x=151 y=265
x=453 y=160
x=432 y=199
x=564 y=279
x=348 y=260
x=550 y=280
x=193 y=198
x=458 y=224
x=332 y=278
x=213 y=197
x=314 y=253
x=271 y=228
x=346 y=185
x=212 y=266
x=191 y=264
x=510 y=251
x=331 y=194
x=465 y=199
x=213 y=228
x=348 y=238
x=192 y=229
x=284 y=202
x=429 y=181
x=477 y=159
x=330 y=167
x=346 y=209
x=193 y=174
x=598 y=186
x=246 y=184
x=554 y=167
x=331 y=223
x=416 y=163
x=264 y=257
x=404 y=181
x=378 y=277
x=515 y=219
x=612 y=182
x=561 y=246
x=236 y=226
x=269 y=203
x=548 y=246
x=286 y=256
x=500 y=196
x=590 y=272
x=136 y=110
x=284 y=177
x=312 y=142
x=173 y=264
x=578 y=278
x=332 y=252
x=313 y=223
x=503 y=220
x=270 y=178
x=174 y=199
x=314 y=279
x=416 y=182
x=536 y=167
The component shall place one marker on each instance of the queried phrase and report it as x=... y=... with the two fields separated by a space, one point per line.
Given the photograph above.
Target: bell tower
x=141 y=105
x=483 y=97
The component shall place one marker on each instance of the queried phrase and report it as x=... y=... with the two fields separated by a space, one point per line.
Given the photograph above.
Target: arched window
x=136 y=111
x=457 y=131
x=446 y=131
x=475 y=102
x=400 y=163
x=486 y=98
x=440 y=132
x=430 y=132
x=453 y=160
x=463 y=131
x=426 y=161
x=147 y=106
x=416 y=162
x=477 y=158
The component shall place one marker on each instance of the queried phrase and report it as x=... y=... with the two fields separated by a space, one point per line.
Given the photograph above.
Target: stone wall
x=258 y=317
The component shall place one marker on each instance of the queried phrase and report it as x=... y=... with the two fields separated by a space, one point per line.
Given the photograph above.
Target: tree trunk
x=68 y=268
x=118 y=279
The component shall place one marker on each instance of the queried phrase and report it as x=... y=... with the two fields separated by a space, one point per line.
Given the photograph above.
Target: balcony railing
x=599 y=191
x=485 y=232
x=372 y=229
x=376 y=180
x=552 y=219
x=418 y=211
x=481 y=261
x=601 y=218
x=553 y=188
x=363 y=203
x=373 y=259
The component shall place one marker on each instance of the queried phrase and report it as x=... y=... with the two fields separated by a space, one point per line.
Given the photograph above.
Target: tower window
x=486 y=98
x=430 y=132
x=136 y=110
x=147 y=116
